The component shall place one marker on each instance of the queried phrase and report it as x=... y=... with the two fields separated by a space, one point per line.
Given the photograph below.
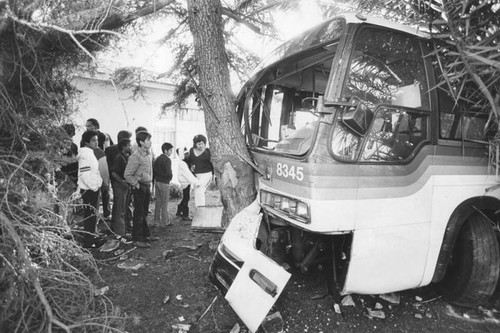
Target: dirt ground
x=173 y=288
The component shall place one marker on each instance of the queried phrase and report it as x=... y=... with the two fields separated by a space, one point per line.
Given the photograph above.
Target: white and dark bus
x=370 y=168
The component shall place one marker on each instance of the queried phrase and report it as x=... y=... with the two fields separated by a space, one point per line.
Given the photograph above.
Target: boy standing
x=162 y=174
x=138 y=174
x=120 y=186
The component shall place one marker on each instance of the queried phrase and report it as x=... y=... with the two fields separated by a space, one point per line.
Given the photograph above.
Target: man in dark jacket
x=162 y=175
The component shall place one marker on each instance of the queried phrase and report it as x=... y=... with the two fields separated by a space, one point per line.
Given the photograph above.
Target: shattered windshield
x=280 y=110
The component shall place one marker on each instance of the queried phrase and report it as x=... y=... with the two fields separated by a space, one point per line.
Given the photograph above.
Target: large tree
x=230 y=156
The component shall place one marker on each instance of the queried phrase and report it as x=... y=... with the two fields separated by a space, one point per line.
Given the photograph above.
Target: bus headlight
x=296 y=209
x=302 y=210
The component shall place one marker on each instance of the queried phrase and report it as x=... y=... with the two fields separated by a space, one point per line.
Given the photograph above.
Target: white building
x=116 y=109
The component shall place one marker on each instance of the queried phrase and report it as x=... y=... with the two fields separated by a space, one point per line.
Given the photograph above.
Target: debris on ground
x=189 y=247
x=167 y=253
x=418 y=315
x=181 y=318
x=376 y=313
x=378 y=306
x=318 y=296
x=166 y=299
x=235 y=329
x=418 y=298
x=132 y=264
x=348 y=301
x=181 y=328
x=102 y=291
x=336 y=307
x=392 y=298
x=213 y=245
x=208 y=308
x=273 y=323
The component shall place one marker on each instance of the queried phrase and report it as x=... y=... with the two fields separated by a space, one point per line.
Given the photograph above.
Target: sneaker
x=178 y=214
x=111 y=245
x=141 y=244
x=187 y=218
x=151 y=239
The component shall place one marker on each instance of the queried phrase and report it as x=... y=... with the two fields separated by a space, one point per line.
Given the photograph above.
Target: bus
x=369 y=168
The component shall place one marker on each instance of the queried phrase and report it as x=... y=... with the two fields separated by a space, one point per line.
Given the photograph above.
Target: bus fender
x=486 y=204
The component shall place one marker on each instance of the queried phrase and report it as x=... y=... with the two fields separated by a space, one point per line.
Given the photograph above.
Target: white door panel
x=256 y=288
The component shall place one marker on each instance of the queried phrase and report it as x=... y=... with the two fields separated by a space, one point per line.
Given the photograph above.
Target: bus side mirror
x=357 y=116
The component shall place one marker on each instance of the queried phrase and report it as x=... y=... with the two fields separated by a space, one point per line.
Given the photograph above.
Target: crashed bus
x=368 y=168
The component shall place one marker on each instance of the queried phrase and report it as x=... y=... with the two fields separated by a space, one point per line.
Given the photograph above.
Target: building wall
x=116 y=110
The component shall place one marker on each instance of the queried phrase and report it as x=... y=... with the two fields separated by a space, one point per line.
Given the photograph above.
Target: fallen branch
x=32 y=275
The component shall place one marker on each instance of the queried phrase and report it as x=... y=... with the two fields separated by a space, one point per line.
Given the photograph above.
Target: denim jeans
x=161 y=207
x=120 y=195
x=140 y=230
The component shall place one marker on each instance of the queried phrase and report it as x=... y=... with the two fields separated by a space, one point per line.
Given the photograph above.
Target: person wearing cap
x=201 y=164
x=162 y=175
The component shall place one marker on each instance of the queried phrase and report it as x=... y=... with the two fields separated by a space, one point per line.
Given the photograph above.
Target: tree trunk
x=227 y=144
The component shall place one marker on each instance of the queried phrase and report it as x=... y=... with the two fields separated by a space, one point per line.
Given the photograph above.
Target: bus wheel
x=474 y=268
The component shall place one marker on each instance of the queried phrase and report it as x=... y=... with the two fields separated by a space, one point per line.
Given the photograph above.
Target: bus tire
x=474 y=268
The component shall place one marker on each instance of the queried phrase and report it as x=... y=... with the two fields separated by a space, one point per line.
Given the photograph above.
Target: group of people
x=131 y=170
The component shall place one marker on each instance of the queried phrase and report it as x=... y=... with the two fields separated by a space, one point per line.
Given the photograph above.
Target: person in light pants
x=201 y=164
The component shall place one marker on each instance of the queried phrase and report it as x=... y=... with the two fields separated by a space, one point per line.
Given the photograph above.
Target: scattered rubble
x=190 y=247
x=376 y=313
x=336 y=307
x=213 y=245
x=167 y=253
x=133 y=264
x=348 y=301
x=318 y=296
x=181 y=328
x=392 y=298
x=273 y=323
x=166 y=299
x=378 y=306
x=102 y=291
x=235 y=329
x=418 y=315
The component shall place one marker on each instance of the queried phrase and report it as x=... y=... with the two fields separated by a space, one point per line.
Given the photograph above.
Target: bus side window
x=398 y=141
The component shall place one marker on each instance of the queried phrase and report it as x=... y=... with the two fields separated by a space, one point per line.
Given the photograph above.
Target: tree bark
x=229 y=151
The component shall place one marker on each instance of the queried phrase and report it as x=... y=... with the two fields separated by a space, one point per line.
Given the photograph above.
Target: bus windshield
x=280 y=107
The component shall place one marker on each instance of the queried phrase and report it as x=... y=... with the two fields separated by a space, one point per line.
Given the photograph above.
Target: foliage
x=46 y=279
x=468 y=34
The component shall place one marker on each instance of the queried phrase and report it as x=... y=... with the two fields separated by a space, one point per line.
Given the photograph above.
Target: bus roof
x=326 y=31
x=370 y=19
